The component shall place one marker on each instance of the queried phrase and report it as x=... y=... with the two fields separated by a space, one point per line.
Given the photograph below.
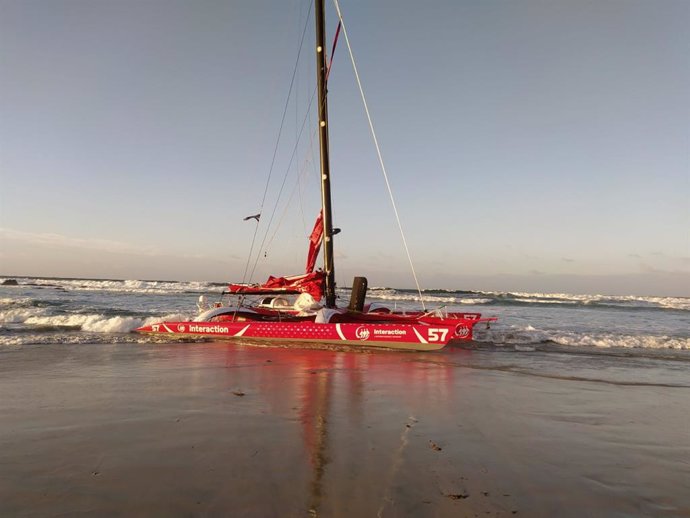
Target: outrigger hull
x=418 y=337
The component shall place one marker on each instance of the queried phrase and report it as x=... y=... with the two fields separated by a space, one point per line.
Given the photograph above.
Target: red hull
x=414 y=336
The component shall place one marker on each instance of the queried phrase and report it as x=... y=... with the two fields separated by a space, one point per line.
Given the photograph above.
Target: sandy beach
x=217 y=429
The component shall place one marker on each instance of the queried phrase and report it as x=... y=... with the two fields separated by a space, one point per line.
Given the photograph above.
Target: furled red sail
x=311 y=283
x=315 y=239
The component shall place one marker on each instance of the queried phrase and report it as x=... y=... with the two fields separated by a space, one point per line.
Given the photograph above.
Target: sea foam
x=520 y=335
x=96 y=323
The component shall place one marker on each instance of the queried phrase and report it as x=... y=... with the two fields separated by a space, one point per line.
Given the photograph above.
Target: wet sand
x=216 y=429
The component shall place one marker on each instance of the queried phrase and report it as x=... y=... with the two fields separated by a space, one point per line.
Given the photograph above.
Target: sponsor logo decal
x=462 y=331
x=362 y=333
x=389 y=332
x=208 y=329
x=181 y=329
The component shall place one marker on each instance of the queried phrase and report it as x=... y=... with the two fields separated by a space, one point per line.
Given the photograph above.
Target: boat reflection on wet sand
x=225 y=429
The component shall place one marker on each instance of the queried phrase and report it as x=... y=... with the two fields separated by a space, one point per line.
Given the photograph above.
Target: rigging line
x=305 y=175
x=282 y=216
x=378 y=150
x=251 y=249
x=335 y=43
x=282 y=186
x=280 y=131
x=310 y=160
x=296 y=188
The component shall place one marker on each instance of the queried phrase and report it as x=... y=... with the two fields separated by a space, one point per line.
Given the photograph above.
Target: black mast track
x=321 y=70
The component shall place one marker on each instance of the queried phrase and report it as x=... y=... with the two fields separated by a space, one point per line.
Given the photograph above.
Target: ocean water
x=54 y=311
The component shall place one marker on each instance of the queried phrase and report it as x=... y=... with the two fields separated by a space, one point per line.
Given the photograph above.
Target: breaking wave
x=625 y=301
x=433 y=296
x=33 y=325
x=42 y=310
x=496 y=298
x=528 y=335
x=17 y=341
x=120 y=286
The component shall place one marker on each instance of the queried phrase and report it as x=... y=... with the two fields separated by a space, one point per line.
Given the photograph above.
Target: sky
x=531 y=145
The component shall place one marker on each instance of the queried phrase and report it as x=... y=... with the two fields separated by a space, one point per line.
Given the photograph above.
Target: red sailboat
x=313 y=316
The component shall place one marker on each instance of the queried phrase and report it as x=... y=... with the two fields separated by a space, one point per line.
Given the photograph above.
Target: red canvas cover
x=311 y=283
x=315 y=243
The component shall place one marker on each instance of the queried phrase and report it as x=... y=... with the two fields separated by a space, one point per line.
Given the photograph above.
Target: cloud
x=648 y=268
x=58 y=240
x=567 y=260
x=55 y=255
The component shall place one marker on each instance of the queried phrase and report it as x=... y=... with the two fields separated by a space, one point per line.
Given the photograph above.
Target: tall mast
x=321 y=69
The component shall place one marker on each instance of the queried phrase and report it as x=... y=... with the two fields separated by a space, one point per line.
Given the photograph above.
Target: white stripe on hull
x=241 y=332
x=340 y=333
x=419 y=336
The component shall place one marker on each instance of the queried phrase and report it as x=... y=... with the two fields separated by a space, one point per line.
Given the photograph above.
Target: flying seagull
x=255 y=216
